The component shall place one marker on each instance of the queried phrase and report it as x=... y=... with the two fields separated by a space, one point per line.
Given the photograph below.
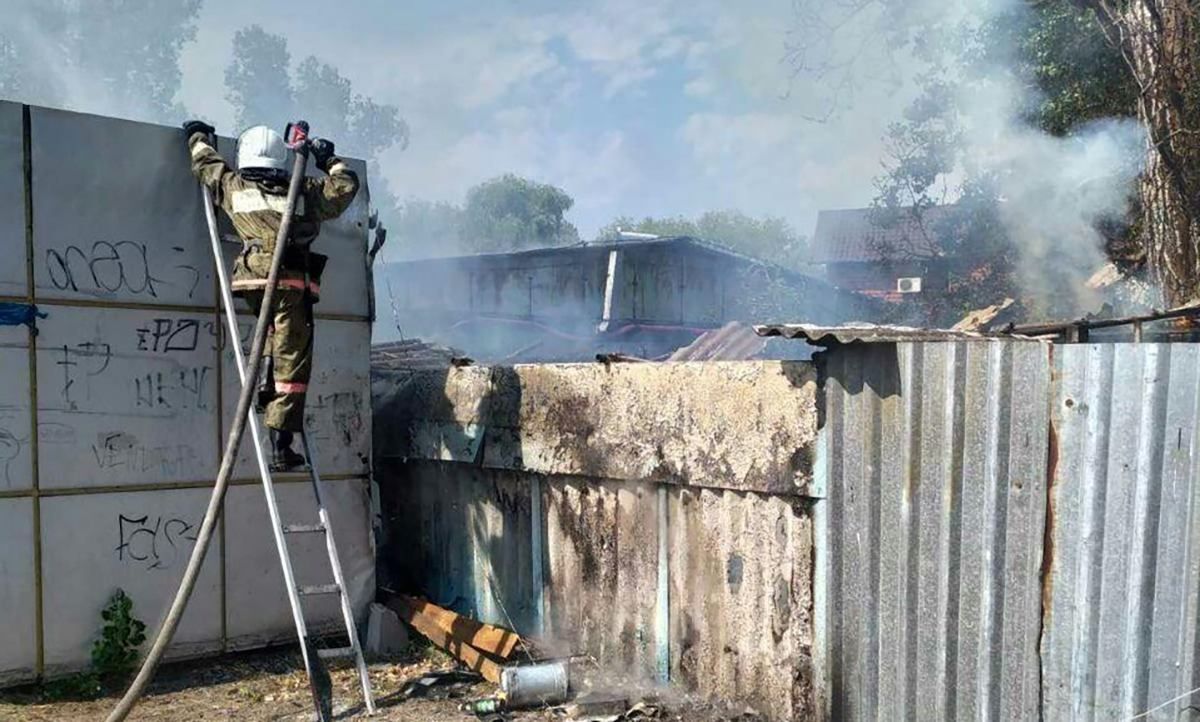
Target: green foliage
x=510 y=213
x=507 y=213
x=768 y=238
x=1061 y=51
x=115 y=653
x=420 y=228
x=1053 y=49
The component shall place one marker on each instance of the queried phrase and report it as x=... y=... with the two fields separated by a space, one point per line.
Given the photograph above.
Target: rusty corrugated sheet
x=1123 y=592
x=863 y=333
x=937 y=458
x=732 y=342
x=740 y=598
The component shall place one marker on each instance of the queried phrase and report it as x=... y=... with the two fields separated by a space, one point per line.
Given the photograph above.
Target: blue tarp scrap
x=20 y=314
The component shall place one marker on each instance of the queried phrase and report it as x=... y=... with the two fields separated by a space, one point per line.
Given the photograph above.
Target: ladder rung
x=303 y=528
x=319 y=589
x=336 y=653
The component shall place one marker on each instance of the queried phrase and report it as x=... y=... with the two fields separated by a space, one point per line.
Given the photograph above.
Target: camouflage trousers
x=290 y=348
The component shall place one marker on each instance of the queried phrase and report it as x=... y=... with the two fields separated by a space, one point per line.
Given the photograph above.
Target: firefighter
x=254 y=197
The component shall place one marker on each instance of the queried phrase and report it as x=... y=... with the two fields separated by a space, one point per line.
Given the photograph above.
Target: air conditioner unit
x=908 y=285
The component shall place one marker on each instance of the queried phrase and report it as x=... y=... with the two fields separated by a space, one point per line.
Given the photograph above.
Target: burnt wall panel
x=461 y=536
x=669 y=573
x=602 y=572
x=740 y=425
x=743 y=559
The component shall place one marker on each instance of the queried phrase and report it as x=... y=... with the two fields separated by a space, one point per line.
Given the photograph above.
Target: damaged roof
x=870 y=235
x=732 y=342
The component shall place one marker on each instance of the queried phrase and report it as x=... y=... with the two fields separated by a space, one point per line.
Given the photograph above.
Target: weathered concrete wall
x=734 y=425
x=651 y=516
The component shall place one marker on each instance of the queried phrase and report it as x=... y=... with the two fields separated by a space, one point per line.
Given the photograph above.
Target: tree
x=1061 y=50
x=257 y=82
x=1087 y=59
x=421 y=229
x=1159 y=41
x=261 y=88
x=107 y=56
x=768 y=238
x=510 y=213
x=507 y=213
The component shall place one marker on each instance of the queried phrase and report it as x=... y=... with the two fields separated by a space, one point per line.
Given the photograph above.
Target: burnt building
x=644 y=297
x=892 y=255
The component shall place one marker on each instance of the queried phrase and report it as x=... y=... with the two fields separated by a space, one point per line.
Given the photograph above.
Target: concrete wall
x=113 y=413
x=652 y=516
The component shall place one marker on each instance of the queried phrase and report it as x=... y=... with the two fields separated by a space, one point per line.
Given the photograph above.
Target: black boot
x=266 y=386
x=283 y=458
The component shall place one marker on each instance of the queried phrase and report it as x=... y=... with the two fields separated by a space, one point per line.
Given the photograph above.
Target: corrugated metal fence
x=1125 y=570
x=958 y=584
x=937 y=467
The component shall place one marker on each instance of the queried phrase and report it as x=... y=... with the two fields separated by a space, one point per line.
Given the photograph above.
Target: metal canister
x=535 y=684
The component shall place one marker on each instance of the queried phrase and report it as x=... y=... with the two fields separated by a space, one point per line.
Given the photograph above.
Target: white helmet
x=262 y=148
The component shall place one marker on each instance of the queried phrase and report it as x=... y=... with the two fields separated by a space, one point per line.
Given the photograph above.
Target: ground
x=271 y=685
x=266 y=685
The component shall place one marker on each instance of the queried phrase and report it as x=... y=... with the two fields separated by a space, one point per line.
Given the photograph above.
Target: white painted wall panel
x=129 y=397
x=94 y=544
x=17 y=590
x=12 y=209
x=127 y=225
x=16 y=428
x=257 y=601
x=338 y=410
x=126 y=397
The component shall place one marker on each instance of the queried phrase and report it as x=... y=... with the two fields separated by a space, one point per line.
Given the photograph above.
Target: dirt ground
x=271 y=685
x=267 y=685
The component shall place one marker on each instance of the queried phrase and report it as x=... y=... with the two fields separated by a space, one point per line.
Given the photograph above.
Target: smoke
x=666 y=108
x=1055 y=192
x=109 y=58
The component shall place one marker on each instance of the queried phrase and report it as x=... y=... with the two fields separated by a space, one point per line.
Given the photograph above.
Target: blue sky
x=659 y=107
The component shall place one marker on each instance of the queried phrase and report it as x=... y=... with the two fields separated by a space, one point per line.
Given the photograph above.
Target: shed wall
x=649 y=516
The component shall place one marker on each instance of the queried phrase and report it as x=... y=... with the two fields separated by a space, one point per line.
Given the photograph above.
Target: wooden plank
x=463 y=652
x=496 y=641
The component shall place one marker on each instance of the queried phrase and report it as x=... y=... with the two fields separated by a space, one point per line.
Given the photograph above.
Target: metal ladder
x=318 y=677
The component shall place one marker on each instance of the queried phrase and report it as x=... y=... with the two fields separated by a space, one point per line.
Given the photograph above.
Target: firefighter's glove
x=322 y=152
x=193 y=127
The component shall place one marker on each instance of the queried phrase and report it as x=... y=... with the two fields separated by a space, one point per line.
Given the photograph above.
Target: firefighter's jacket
x=256 y=210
